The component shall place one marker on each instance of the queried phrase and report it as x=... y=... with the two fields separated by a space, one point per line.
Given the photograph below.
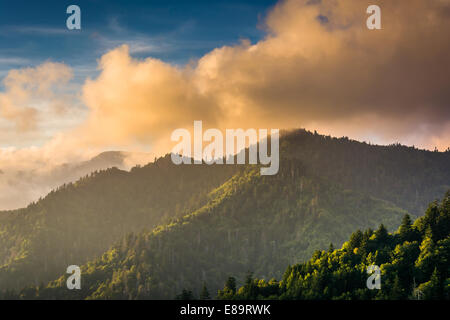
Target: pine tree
x=397 y=292
x=331 y=248
x=204 y=295
x=433 y=289
x=185 y=295
x=231 y=284
x=356 y=239
x=229 y=290
x=405 y=229
x=382 y=234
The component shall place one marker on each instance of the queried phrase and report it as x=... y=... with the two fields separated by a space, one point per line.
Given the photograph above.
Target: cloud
x=154 y=99
x=318 y=67
x=136 y=44
x=340 y=73
x=13 y=61
x=35 y=30
x=30 y=90
x=390 y=84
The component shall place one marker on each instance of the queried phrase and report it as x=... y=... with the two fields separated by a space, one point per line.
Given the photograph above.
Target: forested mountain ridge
x=251 y=222
x=408 y=177
x=414 y=264
x=81 y=220
x=20 y=185
x=324 y=191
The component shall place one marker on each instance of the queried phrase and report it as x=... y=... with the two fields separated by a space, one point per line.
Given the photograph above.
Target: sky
x=138 y=70
x=174 y=31
x=34 y=32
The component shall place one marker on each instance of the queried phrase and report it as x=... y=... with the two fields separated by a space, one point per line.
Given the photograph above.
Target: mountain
x=250 y=223
x=21 y=186
x=406 y=176
x=414 y=263
x=80 y=220
x=215 y=221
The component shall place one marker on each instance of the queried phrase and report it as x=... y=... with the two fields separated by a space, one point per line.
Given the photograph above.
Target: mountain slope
x=406 y=176
x=251 y=222
x=81 y=220
x=414 y=264
x=21 y=185
x=323 y=183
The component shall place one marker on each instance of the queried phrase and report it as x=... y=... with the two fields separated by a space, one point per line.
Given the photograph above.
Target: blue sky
x=280 y=78
x=32 y=32
x=383 y=86
x=35 y=32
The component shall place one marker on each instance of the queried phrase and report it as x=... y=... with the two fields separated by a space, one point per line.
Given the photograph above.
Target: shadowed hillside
x=250 y=223
x=414 y=264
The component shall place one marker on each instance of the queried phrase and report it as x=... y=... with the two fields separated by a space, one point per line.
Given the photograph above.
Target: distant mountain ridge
x=20 y=187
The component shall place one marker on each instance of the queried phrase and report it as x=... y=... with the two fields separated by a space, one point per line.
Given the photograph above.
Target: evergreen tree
x=433 y=289
x=381 y=234
x=185 y=295
x=356 y=239
x=415 y=270
x=204 y=295
x=406 y=232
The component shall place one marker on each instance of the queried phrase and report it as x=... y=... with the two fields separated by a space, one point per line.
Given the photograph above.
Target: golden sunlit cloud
x=390 y=83
x=26 y=89
x=318 y=67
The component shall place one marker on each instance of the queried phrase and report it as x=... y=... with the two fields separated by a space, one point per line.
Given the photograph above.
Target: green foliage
x=153 y=231
x=185 y=295
x=409 y=270
x=204 y=295
x=251 y=222
x=81 y=220
x=408 y=177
